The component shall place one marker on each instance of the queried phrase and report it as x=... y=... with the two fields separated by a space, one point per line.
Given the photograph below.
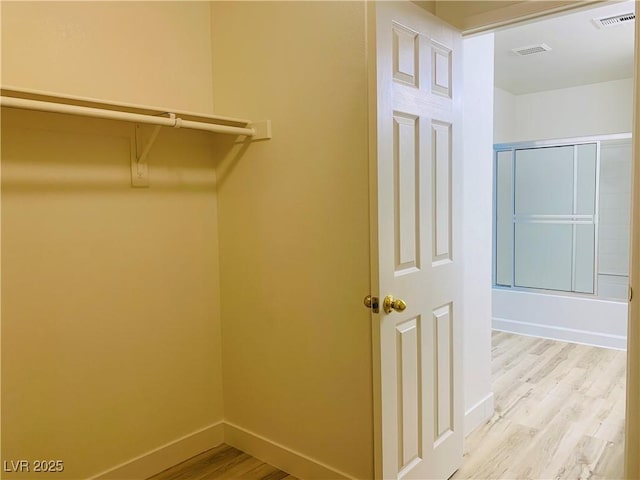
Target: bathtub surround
x=561 y=239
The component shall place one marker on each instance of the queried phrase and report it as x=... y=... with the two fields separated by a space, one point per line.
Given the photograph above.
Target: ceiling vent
x=531 y=49
x=616 y=20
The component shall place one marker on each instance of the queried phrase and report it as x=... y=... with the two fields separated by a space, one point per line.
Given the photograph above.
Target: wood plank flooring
x=222 y=462
x=559 y=413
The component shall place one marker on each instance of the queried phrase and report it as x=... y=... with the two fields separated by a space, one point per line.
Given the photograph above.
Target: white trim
x=168 y=455
x=284 y=458
x=184 y=448
x=563 y=334
x=632 y=430
x=481 y=412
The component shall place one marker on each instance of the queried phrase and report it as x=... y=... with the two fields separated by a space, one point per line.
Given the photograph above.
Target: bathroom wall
x=596 y=109
x=110 y=296
x=504 y=118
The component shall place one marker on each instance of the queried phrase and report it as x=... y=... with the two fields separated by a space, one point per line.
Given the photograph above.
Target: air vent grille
x=616 y=20
x=531 y=49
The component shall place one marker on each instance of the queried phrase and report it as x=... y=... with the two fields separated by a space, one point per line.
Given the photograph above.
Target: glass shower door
x=543 y=196
x=554 y=218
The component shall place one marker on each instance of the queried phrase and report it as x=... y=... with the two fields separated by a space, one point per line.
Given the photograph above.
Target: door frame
x=632 y=415
x=491 y=20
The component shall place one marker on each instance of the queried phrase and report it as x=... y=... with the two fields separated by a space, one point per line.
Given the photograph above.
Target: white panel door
x=416 y=220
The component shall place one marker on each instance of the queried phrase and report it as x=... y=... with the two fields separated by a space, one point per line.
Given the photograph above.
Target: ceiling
x=580 y=54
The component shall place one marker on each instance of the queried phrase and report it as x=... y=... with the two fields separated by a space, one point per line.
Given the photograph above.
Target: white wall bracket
x=139 y=154
x=142 y=146
x=262 y=130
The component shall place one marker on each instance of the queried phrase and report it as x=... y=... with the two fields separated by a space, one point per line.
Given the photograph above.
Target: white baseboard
x=478 y=414
x=182 y=449
x=290 y=461
x=563 y=334
x=167 y=455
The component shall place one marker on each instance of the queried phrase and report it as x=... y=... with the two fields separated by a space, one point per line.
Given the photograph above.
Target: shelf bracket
x=262 y=130
x=139 y=165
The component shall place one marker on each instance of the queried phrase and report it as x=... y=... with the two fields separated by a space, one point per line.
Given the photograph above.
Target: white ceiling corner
x=581 y=53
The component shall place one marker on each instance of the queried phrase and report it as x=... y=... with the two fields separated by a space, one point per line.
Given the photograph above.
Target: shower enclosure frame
x=523 y=145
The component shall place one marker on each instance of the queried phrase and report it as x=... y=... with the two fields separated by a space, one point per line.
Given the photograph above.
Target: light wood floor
x=559 y=413
x=223 y=462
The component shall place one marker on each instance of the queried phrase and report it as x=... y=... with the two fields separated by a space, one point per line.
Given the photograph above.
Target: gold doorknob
x=390 y=304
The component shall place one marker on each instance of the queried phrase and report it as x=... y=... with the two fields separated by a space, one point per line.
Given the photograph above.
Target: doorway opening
x=563 y=85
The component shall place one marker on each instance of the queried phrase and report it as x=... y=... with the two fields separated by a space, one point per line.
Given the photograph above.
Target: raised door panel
x=406 y=192
x=405 y=55
x=441 y=68
x=409 y=393
x=443 y=372
x=441 y=188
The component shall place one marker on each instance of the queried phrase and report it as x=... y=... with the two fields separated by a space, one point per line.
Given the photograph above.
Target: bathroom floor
x=559 y=413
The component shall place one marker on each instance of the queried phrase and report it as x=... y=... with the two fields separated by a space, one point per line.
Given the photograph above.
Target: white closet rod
x=171 y=121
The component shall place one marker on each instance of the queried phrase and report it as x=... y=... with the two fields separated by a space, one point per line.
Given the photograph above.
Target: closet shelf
x=48 y=102
x=138 y=114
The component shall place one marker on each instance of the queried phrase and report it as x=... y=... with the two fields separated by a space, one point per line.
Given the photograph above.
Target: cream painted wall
x=153 y=53
x=110 y=324
x=478 y=180
x=110 y=295
x=595 y=109
x=294 y=228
